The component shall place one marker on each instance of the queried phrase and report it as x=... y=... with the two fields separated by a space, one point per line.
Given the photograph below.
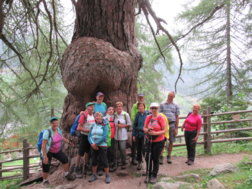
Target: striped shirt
x=170 y=110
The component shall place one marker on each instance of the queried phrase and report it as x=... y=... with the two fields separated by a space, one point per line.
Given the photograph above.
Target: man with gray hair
x=171 y=110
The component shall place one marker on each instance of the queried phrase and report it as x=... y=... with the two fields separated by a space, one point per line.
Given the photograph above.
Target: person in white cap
x=154 y=127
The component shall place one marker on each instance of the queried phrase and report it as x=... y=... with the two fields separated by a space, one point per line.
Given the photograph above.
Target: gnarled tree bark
x=102 y=56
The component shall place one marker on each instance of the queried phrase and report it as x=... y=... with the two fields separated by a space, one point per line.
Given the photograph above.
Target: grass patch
x=10 y=184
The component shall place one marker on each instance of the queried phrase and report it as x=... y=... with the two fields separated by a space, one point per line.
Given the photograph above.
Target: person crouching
x=98 y=139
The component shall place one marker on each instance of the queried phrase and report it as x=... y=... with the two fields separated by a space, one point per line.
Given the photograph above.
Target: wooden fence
x=207 y=128
x=26 y=167
x=207 y=134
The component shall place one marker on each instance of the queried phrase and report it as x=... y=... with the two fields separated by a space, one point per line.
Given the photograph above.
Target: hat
x=89 y=104
x=53 y=119
x=99 y=94
x=154 y=104
x=140 y=94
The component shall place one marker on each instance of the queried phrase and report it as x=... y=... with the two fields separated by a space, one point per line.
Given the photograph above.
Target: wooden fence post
x=208 y=136
x=205 y=130
x=25 y=159
x=1 y=172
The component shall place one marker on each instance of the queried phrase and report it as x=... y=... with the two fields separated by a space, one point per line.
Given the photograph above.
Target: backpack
x=73 y=130
x=40 y=139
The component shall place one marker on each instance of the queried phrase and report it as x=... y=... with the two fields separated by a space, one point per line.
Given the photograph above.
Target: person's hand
x=176 y=131
x=182 y=129
x=134 y=139
x=195 y=139
x=151 y=132
x=45 y=160
x=94 y=146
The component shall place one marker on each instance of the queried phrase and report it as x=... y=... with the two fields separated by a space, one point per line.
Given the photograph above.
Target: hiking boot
x=107 y=179
x=153 y=180
x=161 y=159
x=169 y=161
x=78 y=172
x=70 y=177
x=139 y=166
x=92 y=178
x=100 y=173
x=190 y=162
x=134 y=161
x=124 y=166
x=46 y=183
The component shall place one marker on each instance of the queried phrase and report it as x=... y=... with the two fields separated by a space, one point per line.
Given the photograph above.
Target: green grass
x=10 y=184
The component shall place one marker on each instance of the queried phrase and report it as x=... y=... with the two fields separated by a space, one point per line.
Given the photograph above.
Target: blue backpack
x=40 y=139
x=73 y=130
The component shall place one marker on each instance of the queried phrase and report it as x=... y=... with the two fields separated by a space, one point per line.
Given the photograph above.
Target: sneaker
x=100 y=173
x=78 y=172
x=46 y=183
x=161 y=159
x=107 y=179
x=153 y=180
x=134 y=161
x=70 y=177
x=169 y=161
x=190 y=162
x=139 y=166
x=92 y=178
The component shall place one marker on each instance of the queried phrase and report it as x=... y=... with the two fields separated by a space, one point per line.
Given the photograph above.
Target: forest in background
x=214 y=38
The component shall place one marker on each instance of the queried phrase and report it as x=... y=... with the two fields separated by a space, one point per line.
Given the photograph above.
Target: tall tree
x=218 y=43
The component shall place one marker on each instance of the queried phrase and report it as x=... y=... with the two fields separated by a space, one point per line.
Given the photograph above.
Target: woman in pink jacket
x=192 y=126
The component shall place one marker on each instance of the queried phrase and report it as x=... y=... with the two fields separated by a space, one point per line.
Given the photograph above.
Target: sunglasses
x=154 y=108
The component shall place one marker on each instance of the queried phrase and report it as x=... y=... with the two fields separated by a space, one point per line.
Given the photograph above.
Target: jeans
x=139 y=146
x=120 y=151
x=153 y=151
x=190 y=144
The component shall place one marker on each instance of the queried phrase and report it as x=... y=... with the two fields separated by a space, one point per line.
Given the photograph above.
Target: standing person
x=111 y=149
x=134 y=110
x=85 y=122
x=192 y=126
x=51 y=148
x=98 y=139
x=138 y=133
x=100 y=106
x=154 y=127
x=122 y=123
x=171 y=110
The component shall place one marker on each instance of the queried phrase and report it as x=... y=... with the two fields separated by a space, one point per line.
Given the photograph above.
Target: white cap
x=154 y=104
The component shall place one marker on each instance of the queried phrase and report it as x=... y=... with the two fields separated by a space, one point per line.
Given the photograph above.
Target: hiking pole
x=148 y=155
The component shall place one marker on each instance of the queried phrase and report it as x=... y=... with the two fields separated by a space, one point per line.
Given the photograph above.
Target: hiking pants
x=190 y=144
x=140 y=146
x=121 y=151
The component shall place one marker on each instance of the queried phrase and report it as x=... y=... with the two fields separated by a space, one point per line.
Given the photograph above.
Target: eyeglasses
x=153 y=108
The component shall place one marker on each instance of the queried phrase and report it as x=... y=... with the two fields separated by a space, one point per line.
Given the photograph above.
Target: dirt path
x=135 y=181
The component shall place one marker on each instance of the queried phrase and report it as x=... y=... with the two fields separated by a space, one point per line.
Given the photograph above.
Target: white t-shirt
x=87 y=125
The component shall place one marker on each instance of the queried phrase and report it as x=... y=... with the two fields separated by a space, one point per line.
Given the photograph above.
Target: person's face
x=141 y=108
x=98 y=118
x=55 y=124
x=119 y=108
x=100 y=98
x=140 y=99
x=154 y=110
x=171 y=96
x=196 y=109
x=90 y=109
x=110 y=110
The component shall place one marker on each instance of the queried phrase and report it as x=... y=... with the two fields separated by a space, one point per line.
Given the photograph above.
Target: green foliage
x=10 y=184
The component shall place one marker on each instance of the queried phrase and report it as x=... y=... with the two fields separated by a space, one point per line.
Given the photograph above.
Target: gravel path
x=134 y=180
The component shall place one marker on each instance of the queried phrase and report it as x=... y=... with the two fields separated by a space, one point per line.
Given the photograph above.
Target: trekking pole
x=148 y=155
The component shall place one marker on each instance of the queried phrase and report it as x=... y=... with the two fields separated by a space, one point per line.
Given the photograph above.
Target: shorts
x=172 y=137
x=84 y=146
x=59 y=156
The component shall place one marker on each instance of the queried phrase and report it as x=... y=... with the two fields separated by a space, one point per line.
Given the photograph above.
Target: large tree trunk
x=229 y=85
x=102 y=56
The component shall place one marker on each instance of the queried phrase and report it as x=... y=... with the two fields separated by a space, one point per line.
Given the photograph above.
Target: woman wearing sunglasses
x=154 y=127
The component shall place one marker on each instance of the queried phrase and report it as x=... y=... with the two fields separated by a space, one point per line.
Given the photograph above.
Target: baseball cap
x=154 y=104
x=53 y=119
x=99 y=94
x=89 y=104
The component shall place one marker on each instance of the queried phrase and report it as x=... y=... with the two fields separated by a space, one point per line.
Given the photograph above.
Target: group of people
x=103 y=135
